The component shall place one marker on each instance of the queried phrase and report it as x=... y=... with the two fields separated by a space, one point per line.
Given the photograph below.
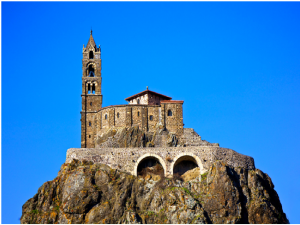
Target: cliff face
x=84 y=192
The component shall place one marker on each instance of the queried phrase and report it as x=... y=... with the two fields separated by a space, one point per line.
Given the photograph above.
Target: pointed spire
x=91 y=41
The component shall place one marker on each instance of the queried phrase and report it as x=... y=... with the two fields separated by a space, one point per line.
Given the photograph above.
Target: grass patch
x=186 y=190
x=204 y=176
x=35 y=211
x=150 y=213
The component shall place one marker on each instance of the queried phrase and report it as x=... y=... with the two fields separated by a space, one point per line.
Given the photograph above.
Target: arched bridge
x=172 y=159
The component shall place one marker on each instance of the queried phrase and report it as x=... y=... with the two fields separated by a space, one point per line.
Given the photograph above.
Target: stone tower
x=91 y=91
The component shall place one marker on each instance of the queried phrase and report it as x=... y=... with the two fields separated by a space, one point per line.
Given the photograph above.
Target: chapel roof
x=147 y=91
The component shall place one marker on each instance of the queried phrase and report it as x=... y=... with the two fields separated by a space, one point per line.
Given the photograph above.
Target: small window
x=89 y=136
x=91 y=55
x=106 y=116
x=91 y=103
x=169 y=112
x=151 y=117
x=138 y=101
x=138 y=113
x=90 y=124
x=118 y=115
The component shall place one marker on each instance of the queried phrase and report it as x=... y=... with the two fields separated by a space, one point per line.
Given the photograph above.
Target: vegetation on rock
x=84 y=192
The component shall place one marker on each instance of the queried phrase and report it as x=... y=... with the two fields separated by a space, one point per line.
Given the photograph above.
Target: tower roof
x=91 y=41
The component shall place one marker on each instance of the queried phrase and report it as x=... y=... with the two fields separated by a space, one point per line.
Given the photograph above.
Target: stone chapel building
x=151 y=112
x=146 y=109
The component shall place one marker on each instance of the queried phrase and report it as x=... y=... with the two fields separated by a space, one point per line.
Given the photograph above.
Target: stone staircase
x=191 y=138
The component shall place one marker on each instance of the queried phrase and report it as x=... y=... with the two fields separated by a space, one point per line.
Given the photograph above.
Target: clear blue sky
x=236 y=65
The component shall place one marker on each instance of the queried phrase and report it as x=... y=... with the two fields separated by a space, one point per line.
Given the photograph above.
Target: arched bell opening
x=150 y=165
x=91 y=55
x=89 y=88
x=93 y=89
x=184 y=165
x=91 y=71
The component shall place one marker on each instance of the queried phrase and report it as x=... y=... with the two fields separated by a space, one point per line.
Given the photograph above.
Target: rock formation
x=87 y=192
x=124 y=137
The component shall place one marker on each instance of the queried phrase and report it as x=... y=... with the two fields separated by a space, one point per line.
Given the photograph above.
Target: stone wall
x=146 y=117
x=137 y=115
x=174 y=122
x=140 y=100
x=128 y=159
x=120 y=116
x=153 y=118
x=88 y=129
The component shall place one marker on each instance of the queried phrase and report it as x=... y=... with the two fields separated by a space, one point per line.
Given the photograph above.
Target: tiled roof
x=171 y=101
x=147 y=92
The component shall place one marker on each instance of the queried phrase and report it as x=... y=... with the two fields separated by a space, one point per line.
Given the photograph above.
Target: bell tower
x=91 y=91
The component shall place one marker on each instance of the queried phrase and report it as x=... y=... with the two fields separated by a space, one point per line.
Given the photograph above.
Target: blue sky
x=236 y=65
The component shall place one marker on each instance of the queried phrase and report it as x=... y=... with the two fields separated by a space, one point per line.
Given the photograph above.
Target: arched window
x=138 y=101
x=93 y=89
x=90 y=124
x=91 y=71
x=169 y=112
x=151 y=117
x=91 y=55
x=118 y=115
x=138 y=113
x=91 y=103
x=106 y=116
x=89 y=89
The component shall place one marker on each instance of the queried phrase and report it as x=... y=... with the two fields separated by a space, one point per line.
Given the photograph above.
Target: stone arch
x=188 y=154
x=89 y=87
x=149 y=155
x=90 y=63
x=93 y=87
x=88 y=66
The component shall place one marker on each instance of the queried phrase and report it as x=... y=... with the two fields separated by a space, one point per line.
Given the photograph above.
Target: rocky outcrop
x=134 y=137
x=123 y=137
x=84 y=192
